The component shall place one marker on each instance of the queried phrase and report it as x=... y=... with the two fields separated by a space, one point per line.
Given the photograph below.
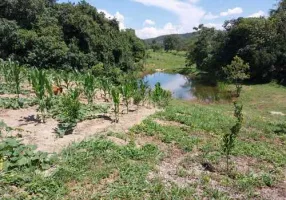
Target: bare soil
x=43 y=134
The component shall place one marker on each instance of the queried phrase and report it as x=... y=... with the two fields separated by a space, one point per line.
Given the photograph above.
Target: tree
x=229 y=138
x=46 y=34
x=170 y=42
x=236 y=72
x=155 y=46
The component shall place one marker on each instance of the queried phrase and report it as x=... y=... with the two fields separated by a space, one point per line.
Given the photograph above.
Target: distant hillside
x=184 y=37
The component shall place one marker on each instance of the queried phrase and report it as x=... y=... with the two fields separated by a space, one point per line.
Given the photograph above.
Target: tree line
x=46 y=34
x=260 y=42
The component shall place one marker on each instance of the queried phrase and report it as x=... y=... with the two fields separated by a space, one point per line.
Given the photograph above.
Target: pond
x=183 y=87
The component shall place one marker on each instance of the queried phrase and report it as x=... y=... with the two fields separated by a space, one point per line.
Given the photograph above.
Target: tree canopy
x=43 y=33
x=261 y=42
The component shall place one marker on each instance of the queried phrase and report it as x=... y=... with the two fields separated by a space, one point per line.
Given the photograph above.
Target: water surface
x=183 y=87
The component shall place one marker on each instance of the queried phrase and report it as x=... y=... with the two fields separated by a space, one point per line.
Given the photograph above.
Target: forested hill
x=160 y=39
x=43 y=33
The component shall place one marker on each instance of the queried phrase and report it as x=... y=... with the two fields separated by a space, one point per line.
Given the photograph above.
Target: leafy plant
x=229 y=138
x=89 y=87
x=43 y=90
x=105 y=85
x=14 y=103
x=16 y=155
x=17 y=75
x=237 y=72
x=141 y=93
x=116 y=102
x=127 y=91
x=67 y=78
x=160 y=97
x=70 y=112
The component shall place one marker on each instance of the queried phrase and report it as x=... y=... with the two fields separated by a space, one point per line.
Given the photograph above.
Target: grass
x=169 y=62
x=182 y=137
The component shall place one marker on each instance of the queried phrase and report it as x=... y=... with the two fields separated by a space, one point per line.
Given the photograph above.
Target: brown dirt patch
x=45 y=138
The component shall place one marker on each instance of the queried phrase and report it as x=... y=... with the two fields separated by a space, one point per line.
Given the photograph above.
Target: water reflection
x=183 y=87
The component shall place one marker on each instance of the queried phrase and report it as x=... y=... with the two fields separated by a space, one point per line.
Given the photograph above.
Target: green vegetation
x=70 y=112
x=43 y=90
x=176 y=153
x=230 y=137
x=46 y=34
x=107 y=170
x=258 y=41
x=171 y=61
x=236 y=72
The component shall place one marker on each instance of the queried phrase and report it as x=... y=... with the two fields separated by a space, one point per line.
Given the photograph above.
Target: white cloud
x=148 y=22
x=151 y=32
x=210 y=16
x=118 y=16
x=234 y=11
x=214 y=25
x=189 y=15
x=258 y=14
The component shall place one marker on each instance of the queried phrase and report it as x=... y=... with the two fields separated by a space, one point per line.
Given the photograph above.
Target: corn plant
x=67 y=78
x=43 y=90
x=69 y=112
x=127 y=91
x=228 y=141
x=159 y=96
x=17 y=76
x=5 y=71
x=89 y=87
x=105 y=85
x=116 y=102
x=141 y=93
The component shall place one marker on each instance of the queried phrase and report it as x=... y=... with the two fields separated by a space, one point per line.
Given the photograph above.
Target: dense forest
x=261 y=42
x=46 y=34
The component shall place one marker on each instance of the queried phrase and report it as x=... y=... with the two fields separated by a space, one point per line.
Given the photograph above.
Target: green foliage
x=16 y=155
x=170 y=43
x=141 y=93
x=258 y=41
x=65 y=35
x=228 y=141
x=127 y=90
x=13 y=75
x=89 y=87
x=236 y=72
x=160 y=97
x=105 y=85
x=69 y=112
x=115 y=93
x=43 y=90
x=15 y=103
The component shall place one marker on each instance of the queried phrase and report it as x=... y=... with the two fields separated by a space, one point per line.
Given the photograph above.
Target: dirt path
x=45 y=138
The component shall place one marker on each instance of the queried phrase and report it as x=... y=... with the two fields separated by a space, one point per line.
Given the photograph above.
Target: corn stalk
x=42 y=89
x=116 y=102
x=89 y=87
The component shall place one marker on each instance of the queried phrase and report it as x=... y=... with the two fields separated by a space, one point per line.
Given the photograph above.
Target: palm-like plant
x=43 y=90
x=116 y=102
x=89 y=87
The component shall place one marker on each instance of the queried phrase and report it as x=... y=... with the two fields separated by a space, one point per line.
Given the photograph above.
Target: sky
x=152 y=18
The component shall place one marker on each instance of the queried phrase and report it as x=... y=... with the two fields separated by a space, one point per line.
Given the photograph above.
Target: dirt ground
x=43 y=134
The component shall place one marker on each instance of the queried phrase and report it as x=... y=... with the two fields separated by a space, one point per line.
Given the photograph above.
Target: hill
x=183 y=37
